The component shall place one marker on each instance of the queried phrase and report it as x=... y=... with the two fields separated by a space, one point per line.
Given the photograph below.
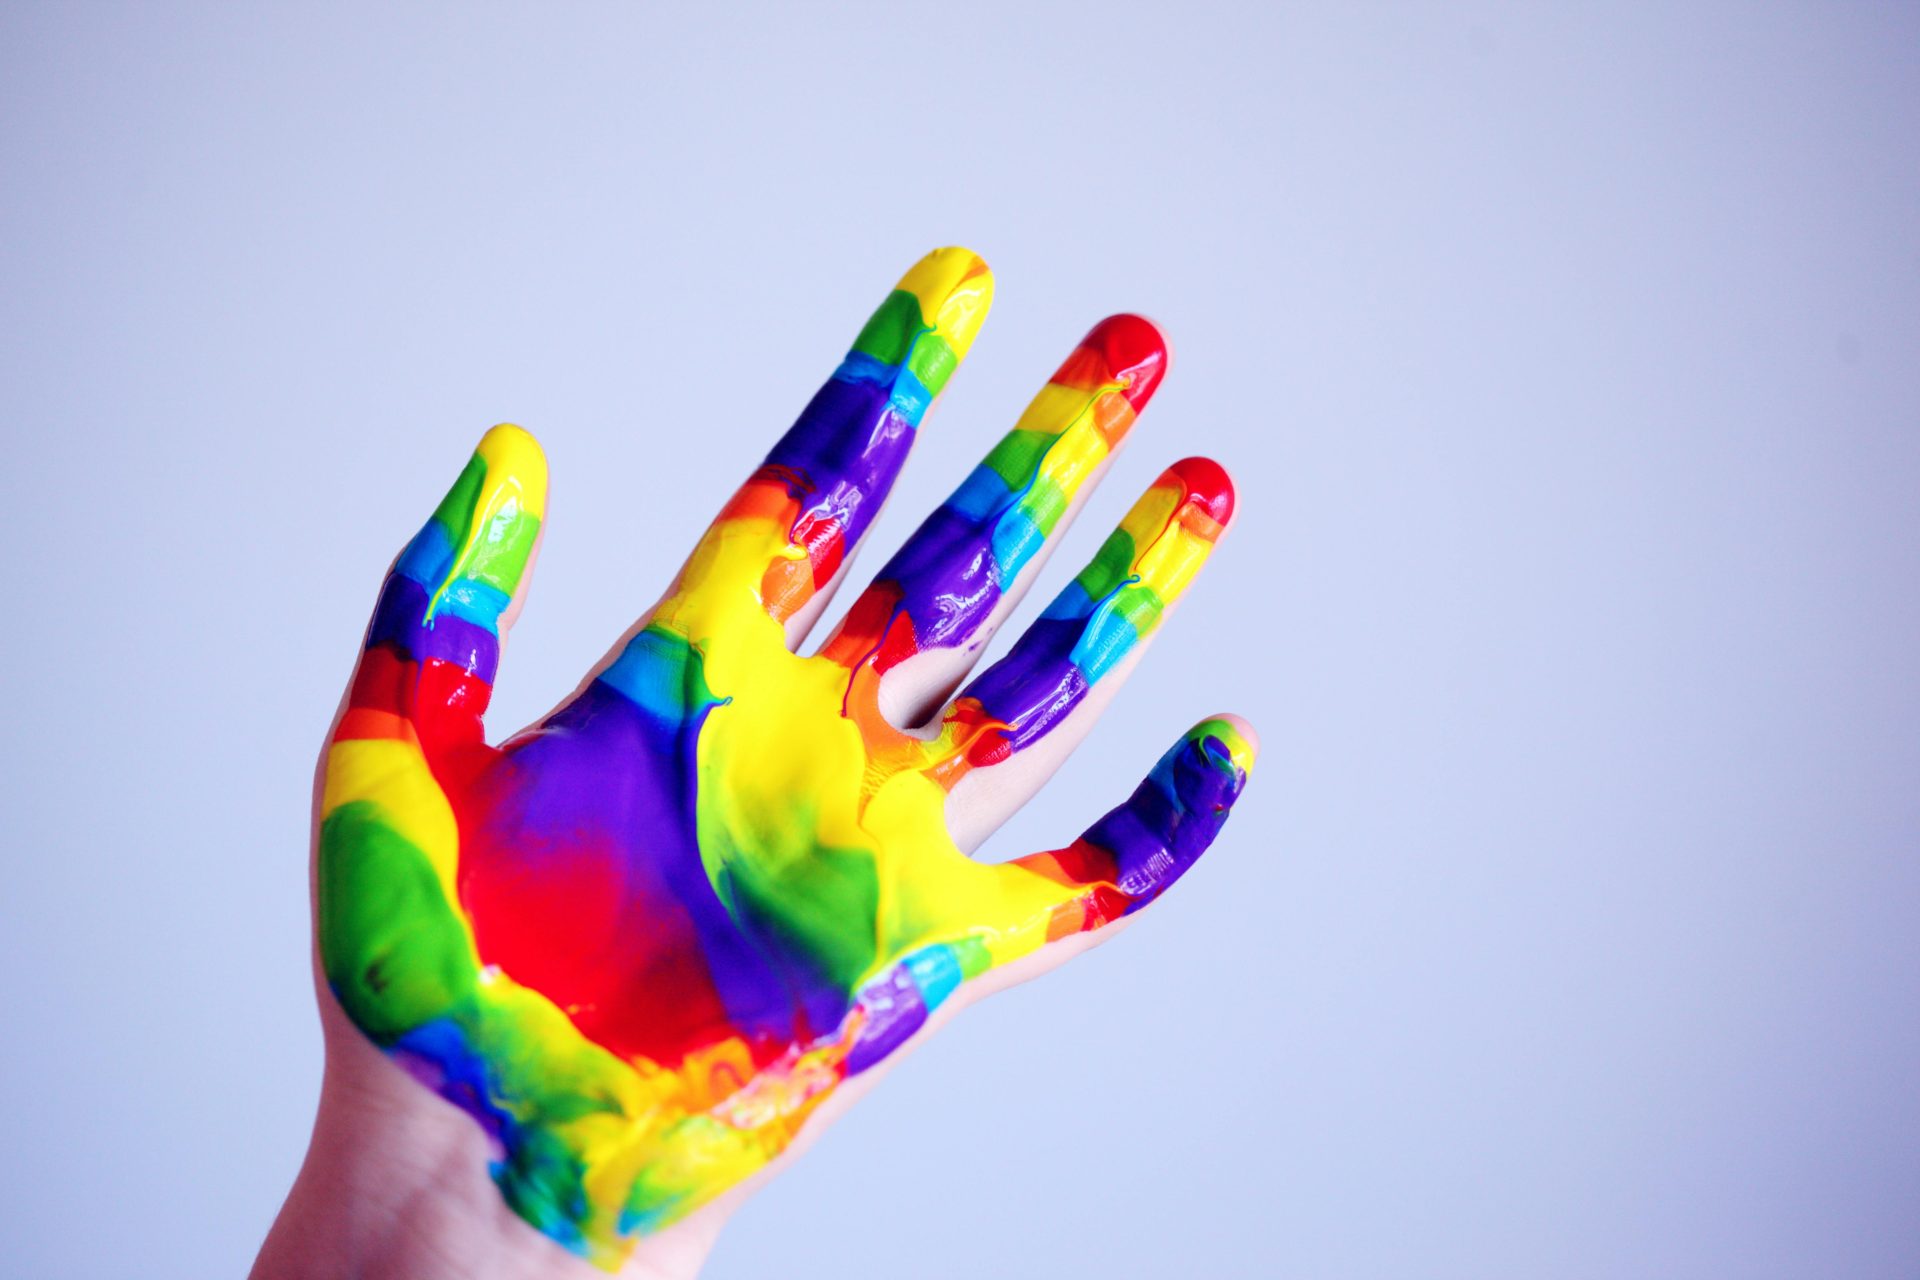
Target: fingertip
x=514 y=457
x=954 y=287
x=1132 y=352
x=1234 y=733
x=1206 y=486
x=957 y=259
x=510 y=439
x=1125 y=351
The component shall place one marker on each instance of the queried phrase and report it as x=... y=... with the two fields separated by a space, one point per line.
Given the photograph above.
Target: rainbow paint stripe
x=641 y=941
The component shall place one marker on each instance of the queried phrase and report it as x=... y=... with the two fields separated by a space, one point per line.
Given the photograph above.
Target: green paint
x=796 y=890
x=1110 y=566
x=1016 y=459
x=890 y=331
x=932 y=361
x=396 y=953
x=1044 y=504
x=455 y=512
x=499 y=555
x=1141 y=607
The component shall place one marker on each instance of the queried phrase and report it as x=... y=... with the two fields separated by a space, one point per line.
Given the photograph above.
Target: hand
x=645 y=942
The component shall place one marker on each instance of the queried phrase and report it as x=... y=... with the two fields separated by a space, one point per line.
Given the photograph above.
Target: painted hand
x=643 y=941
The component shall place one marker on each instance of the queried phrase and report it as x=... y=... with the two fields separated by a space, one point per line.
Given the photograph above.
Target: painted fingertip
x=1164 y=827
x=1163 y=541
x=1208 y=491
x=515 y=461
x=1229 y=737
x=917 y=337
x=1124 y=352
x=453 y=587
x=482 y=533
x=953 y=288
x=1204 y=774
x=508 y=507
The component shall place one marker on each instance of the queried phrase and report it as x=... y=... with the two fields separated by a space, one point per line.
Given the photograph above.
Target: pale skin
x=395 y=1181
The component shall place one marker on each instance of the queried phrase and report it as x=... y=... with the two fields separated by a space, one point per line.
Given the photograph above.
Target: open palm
x=642 y=941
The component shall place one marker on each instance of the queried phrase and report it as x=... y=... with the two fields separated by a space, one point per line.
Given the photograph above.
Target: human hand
x=649 y=940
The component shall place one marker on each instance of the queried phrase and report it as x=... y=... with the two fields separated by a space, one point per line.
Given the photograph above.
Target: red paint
x=865 y=623
x=1126 y=349
x=1207 y=484
x=564 y=921
x=825 y=541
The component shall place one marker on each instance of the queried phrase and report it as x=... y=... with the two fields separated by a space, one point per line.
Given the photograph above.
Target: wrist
x=396 y=1184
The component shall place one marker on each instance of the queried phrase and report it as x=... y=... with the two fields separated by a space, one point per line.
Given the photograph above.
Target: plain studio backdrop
x=1566 y=360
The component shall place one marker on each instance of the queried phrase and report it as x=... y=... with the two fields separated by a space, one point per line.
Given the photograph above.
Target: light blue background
x=1566 y=358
